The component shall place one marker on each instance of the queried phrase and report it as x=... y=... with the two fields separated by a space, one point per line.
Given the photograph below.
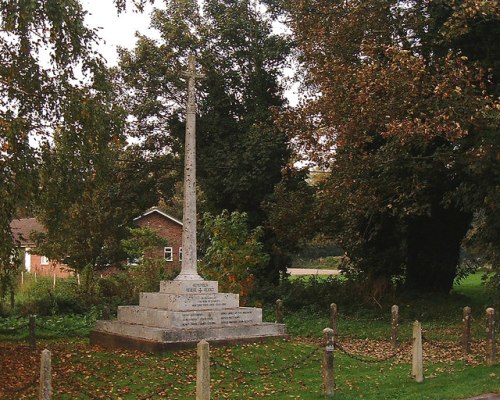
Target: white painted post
x=417 y=369
x=45 y=376
x=203 y=371
x=78 y=279
x=328 y=377
x=491 y=356
x=22 y=278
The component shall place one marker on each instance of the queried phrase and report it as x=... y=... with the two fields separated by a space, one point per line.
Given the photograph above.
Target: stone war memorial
x=189 y=308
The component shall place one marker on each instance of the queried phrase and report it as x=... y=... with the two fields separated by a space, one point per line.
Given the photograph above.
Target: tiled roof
x=23 y=228
x=157 y=210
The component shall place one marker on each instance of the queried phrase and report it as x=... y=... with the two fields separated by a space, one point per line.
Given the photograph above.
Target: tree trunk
x=433 y=249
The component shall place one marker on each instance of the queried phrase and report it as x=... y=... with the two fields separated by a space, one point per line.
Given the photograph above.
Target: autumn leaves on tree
x=402 y=109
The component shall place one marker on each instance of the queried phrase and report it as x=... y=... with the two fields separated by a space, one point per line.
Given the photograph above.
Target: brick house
x=168 y=228
x=163 y=224
x=22 y=229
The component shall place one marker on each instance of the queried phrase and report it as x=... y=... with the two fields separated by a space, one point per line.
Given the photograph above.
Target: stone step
x=219 y=333
x=189 y=287
x=189 y=302
x=188 y=319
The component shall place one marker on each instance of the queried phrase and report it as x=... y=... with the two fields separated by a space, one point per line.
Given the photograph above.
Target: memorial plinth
x=180 y=315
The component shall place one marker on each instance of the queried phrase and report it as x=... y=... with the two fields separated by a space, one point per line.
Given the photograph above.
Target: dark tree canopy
x=402 y=108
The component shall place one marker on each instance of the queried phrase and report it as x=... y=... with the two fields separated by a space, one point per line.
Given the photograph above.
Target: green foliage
x=240 y=152
x=234 y=254
x=34 y=92
x=42 y=298
x=140 y=241
x=122 y=288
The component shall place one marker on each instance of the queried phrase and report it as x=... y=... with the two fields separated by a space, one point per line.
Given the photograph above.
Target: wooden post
x=333 y=318
x=490 y=337
x=466 y=331
x=203 y=371
x=22 y=278
x=45 y=376
x=78 y=279
x=32 y=331
x=35 y=276
x=328 y=378
x=54 y=282
x=417 y=370
x=279 y=311
x=106 y=314
x=394 y=325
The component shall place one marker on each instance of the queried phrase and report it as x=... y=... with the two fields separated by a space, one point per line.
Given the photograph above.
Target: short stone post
x=45 y=376
x=466 y=331
x=279 y=311
x=203 y=371
x=491 y=357
x=417 y=369
x=394 y=325
x=32 y=331
x=334 y=313
x=328 y=377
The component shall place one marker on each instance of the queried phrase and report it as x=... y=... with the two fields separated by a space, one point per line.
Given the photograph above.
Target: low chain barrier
x=22 y=388
x=366 y=359
x=302 y=362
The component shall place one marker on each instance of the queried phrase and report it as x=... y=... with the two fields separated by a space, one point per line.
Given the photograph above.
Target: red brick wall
x=50 y=269
x=168 y=229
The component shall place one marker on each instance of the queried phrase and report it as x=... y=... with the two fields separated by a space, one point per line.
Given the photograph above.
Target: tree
x=33 y=92
x=240 y=151
x=91 y=186
x=403 y=111
x=234 y=254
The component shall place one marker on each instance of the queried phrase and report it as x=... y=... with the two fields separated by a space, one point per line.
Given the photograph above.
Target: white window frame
x=168 y=253
x=180 y=253
x=44 y=260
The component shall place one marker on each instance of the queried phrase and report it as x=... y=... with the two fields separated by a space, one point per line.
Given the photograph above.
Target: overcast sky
x=117 y=29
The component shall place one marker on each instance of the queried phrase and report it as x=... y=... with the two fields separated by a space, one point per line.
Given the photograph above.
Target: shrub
x=42 y=298
x=233 y=254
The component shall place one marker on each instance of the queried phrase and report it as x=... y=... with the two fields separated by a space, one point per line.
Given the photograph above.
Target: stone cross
x=188 y=270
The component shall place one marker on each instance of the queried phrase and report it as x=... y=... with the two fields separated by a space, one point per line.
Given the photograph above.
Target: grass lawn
x=276 y=369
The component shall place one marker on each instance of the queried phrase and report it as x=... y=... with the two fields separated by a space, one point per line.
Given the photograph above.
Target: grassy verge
x=275 y=369
x=240 y=372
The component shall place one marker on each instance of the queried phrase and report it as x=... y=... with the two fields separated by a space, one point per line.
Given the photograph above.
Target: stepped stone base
x=180 y=315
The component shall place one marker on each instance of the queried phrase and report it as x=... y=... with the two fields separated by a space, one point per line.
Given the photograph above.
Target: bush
x=123 y=288
x=42 y=298
x=310 y=292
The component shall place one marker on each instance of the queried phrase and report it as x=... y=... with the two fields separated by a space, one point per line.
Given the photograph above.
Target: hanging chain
x=297 y=364
x=364 y=358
